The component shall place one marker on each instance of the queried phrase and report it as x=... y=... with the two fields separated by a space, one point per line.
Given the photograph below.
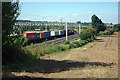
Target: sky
x=69 y=11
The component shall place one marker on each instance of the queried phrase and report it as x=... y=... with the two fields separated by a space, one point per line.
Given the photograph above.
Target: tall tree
x=78 y=22
x=10 y=12
x=97 y=24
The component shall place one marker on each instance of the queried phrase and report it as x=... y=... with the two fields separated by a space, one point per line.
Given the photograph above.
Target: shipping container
x=54 y=33
x=30 y=36
x=37 y=35
x=47 y=34
x=72 y=31
x=42 y=35
x=68 y=31
x=61 y=32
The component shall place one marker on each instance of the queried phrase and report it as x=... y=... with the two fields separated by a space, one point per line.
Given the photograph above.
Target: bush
x=88 y=34
x=107 y=32
x=41 y=50
x=78 y=43
x=15 y=55
x=101 y=33
x=66 y=47
x=72 y=46
x=12 y=49
x=66 y=42
x=18 y=41
x=57 y=48
x=116 y=27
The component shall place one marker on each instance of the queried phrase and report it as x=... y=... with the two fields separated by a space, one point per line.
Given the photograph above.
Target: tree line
x=97 y=28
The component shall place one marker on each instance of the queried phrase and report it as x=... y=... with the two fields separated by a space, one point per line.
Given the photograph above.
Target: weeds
x=27 y=54
x=66 y=42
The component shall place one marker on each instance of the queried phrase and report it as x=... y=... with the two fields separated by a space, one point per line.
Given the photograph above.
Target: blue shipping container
x=47 y=34
x=61 y=32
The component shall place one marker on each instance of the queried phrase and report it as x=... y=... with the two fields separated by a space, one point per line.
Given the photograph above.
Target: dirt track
x=98 y=60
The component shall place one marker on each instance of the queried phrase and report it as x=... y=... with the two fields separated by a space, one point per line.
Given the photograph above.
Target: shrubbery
x=41 y=50
x=66 y=42
x=12 y=49
x=88 y=34
x=107 y=32
x=116 y=27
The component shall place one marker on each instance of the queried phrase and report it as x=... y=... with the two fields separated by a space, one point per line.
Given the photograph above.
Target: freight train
x=37 y=36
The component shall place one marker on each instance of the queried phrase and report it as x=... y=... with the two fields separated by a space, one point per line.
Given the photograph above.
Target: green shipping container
x=37 y=35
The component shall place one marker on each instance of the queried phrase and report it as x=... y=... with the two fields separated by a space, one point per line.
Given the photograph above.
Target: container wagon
x=30 y=36
x=71 y=31
x=46 y=34
x=54 y=33
x=68 y=31
x=42 y=35
x=61 y=32
x=37 y=35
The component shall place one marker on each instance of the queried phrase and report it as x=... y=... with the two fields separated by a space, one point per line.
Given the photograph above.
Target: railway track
x=62 y=40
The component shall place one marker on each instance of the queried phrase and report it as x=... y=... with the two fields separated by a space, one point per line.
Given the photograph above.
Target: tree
x=78 y=22
x=88 y=34
x=116 y=27
x=10 y=12
x=60 y=27
x=11 y=45
x=97 y=24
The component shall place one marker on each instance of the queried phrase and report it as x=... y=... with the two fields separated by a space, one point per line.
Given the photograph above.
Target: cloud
x=71 y=18
x=60 y=16
x=75 y=14
x=89 y=12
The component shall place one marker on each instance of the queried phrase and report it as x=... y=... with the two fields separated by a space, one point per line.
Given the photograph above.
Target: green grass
x=36 y=51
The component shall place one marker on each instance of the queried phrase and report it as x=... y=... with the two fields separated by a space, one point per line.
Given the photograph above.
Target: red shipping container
x=68 y=31
x=30 y=36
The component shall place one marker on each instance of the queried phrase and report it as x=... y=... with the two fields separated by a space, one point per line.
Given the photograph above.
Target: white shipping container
x=54 y=33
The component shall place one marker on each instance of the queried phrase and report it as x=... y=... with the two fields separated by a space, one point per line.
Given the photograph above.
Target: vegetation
x=97 y=24
x=10 y=11
x=13 y=50
x=66 y=42
x=12 y=46
x=40 y=27
x=88 y=34
x=107 y=32
x=116 y=27
x=41 y=50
